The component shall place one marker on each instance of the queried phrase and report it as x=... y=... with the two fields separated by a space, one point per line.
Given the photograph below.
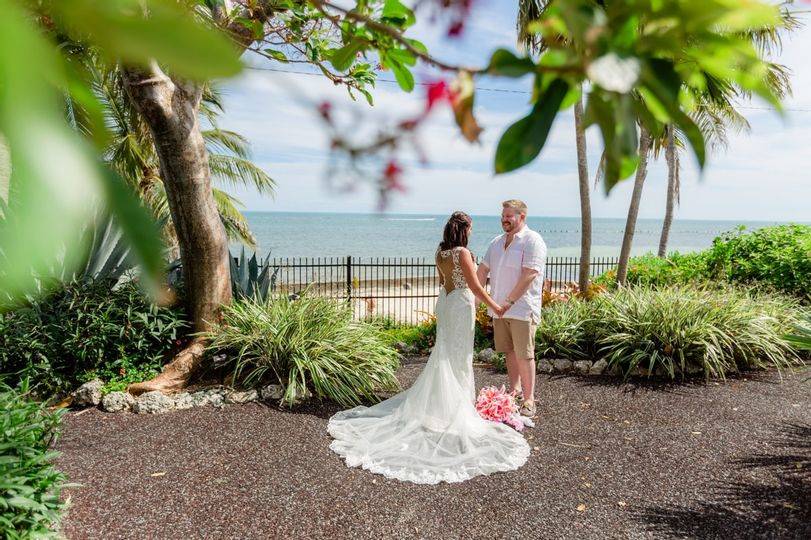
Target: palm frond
x=238 y=172
x=768 y=40
x=222 y=141
x=528 y=11
x=235 y=224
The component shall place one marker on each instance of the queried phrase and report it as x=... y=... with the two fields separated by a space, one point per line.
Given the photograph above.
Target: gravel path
x=723 y=460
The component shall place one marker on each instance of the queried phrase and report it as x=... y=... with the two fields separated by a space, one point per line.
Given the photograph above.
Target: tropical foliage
x=777 y=257
x=85 y=330
x=309 y=345
x=673 y=331
x=29 y=499
x=130 y=151
x=643 y=62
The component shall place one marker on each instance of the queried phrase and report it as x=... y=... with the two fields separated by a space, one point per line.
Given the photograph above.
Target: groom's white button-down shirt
x=527 y=250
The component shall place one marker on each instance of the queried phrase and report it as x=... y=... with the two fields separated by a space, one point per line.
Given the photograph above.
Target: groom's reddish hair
x=517 y=205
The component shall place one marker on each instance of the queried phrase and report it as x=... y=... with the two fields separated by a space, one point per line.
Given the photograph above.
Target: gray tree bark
x=633 y=209
x=585 y=197
x=170 y=108
x=672 y=189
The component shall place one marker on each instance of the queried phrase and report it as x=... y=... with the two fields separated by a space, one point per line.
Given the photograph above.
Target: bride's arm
x=469 y=271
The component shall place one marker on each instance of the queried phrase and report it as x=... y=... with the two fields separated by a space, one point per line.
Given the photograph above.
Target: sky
x=762 y=175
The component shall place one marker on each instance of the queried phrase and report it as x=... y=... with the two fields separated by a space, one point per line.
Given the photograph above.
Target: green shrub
x=566 y=331
x=423 y=335
x=800 y=338
x=650 y=270
x=773 y=258
x=779 y=257
x=88 y=330
x=310 y=344
x=674 y=330
x=29 y=504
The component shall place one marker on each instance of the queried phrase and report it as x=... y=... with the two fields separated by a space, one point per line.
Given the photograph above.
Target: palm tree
x=716 y=112
x=528 y=11
x=633 y=208
x=131 y=153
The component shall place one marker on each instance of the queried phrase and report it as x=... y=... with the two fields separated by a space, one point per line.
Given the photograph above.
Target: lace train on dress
x=431 y=432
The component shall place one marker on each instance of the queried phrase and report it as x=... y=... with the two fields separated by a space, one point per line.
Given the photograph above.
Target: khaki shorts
x=515 y=335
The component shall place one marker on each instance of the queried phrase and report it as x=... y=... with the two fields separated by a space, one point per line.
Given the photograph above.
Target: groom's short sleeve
x=535 y=255
x=488 y=255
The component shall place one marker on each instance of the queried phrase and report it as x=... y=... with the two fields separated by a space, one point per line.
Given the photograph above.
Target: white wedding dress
x=431 y=432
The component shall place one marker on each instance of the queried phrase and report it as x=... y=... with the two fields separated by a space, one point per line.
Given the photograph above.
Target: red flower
x=439 y=91
x=456 y=28
x=392 y=176
x=325 y=110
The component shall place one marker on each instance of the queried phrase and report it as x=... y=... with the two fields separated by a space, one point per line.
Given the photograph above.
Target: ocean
x=287 y=234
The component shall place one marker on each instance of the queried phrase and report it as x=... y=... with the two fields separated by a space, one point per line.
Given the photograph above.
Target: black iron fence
x=402 y=288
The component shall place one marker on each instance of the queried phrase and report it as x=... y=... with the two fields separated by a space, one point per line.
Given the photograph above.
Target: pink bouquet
x=497 y=405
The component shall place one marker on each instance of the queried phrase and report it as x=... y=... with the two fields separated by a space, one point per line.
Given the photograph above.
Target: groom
x=515 y=262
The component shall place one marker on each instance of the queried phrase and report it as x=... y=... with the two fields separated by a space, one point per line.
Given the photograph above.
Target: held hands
x=501 y=310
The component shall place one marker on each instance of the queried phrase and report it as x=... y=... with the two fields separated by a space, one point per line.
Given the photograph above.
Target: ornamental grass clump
x=566 y=330
x=308 y=345
x=677 y=330
x=29 y=498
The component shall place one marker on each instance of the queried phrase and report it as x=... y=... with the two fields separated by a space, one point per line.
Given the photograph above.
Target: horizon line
x=387 y=214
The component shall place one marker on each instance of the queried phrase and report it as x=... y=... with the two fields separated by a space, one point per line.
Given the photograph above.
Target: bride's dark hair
x=456 y=231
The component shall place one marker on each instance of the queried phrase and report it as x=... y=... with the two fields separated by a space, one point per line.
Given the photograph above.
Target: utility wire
x=485 y=89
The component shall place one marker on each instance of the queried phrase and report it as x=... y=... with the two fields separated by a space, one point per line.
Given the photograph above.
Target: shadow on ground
x=774 y=503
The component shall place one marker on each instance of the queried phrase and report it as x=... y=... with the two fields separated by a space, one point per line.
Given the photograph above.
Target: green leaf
x=277 y=55
x=170 y=34
x=394 y=12
x=342 y=58
x=419 y=45
x=507 y=64
x=367 y=95
x=661 y=79
x=523 y=141
x=139 y=229
x=403 y=76
x=402 y=56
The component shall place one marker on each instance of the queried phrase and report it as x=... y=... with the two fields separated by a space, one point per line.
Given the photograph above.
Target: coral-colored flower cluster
x=498 y=405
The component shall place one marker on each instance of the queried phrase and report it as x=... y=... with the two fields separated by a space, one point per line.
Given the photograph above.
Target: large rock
x=242 y=397
x=272 y=391
x=598 y=367
x=89 y=394
x=543 y=366
x=117 y=402
x=487 y=355
x=561 y=365
x=582 y=366
x=153 y=402
x=210 y=396
x=183 y=401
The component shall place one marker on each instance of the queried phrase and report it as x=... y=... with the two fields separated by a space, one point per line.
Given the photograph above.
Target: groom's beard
x=507 y=227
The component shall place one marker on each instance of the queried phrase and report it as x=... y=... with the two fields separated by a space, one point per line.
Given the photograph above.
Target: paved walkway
x=723 y=460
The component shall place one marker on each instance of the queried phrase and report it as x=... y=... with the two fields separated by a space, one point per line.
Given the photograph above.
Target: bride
x=431 y=432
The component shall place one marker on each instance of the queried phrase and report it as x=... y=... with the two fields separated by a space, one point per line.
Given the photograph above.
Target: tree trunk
x=633 y=209
x=171 y=108
x=585 y=197
x=672 y=172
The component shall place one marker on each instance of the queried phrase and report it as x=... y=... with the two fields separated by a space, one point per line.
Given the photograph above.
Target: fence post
x=349 y=279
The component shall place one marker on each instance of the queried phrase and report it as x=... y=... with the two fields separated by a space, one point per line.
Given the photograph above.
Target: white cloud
x=763 y=175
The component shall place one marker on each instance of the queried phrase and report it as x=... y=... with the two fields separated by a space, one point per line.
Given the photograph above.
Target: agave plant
x=104 y=255
x=247 y=281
